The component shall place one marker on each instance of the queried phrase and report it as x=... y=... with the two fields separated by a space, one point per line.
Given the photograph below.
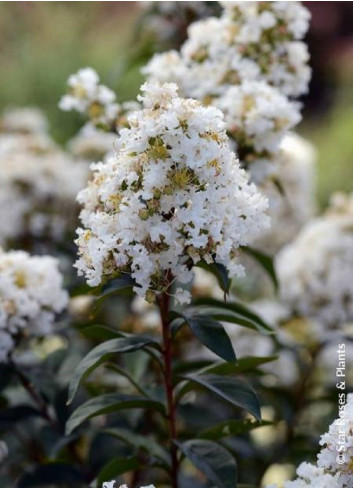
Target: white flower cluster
x=38 y=187
x=31 y=293
x=173 y=195
x=315 y=271
x=87 y=96
x=251 y=41
x=293 y=204
x=257 y=117
x=246 y=63
x=334 y=462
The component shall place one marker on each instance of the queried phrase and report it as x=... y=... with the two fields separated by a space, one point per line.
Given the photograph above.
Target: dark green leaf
x=98 y=332
x=108 y=403
x=232 y=427
x=266 y=262
x=140 y=443
x=213 y=460
x=245 y=364
x=211 y=334
x=102 y=353
x=220 y=272
x=235 y=391
x=115 y=467
x=122 y=285
x=233 y=312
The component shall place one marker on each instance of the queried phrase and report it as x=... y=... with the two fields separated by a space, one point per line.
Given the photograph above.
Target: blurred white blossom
x=31 y=294
x=315 y=271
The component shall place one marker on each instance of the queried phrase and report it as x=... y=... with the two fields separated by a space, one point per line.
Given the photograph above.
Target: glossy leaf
x=235 y=391
x=99 y=332
x=211 y=334
x=220 y=272
x=116 y=467
x=245 y=364
x=233 y=312
x=102 y=353
x=141 y=443
x=213 y=460
x=108 y=403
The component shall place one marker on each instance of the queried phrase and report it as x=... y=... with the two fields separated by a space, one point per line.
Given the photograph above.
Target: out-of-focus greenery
x=42 y=43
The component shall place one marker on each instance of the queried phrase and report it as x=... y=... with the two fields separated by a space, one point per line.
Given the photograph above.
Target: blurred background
x=42 y=43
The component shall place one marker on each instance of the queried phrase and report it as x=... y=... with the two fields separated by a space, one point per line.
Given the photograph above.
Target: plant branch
x=163 y=302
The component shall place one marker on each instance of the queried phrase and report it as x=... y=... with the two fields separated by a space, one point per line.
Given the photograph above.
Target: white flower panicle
x=315 y=271
x=38 y=187
x=334 y=462
x=173 y=195
x=96 y=101
x=31 y=294
x=257 y=118
x=109 y=484
x=246 y=63
x=251 y=41
x=91 y=144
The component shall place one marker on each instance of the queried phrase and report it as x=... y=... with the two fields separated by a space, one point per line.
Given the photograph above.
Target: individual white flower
x=31 y=294
x=291 y=203
x=315 y=271
x=173 y=194
x=24 y=120
x=334 y=461
x=88 y=96
x=38 y=186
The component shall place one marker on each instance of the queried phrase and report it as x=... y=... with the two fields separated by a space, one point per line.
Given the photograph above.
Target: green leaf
x=141 y=443
x=235 y=391
x=211 y=334
x=213 y=460
x=108 y=403
x=232 y=427
x=265 y=261
x=116 y=467
x=220 y=272
x=245 y=364
x=102 y=353
x=233 y=312
x=122 y=286
x=99 y=332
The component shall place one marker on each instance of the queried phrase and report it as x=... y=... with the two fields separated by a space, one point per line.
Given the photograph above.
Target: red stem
x=163 y=303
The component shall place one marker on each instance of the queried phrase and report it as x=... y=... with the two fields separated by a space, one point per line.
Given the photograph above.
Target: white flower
x=124 y=486
x=315 y=271
x=337 y=446
x=31 y=294
x=174 y=191
x=91 y=144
